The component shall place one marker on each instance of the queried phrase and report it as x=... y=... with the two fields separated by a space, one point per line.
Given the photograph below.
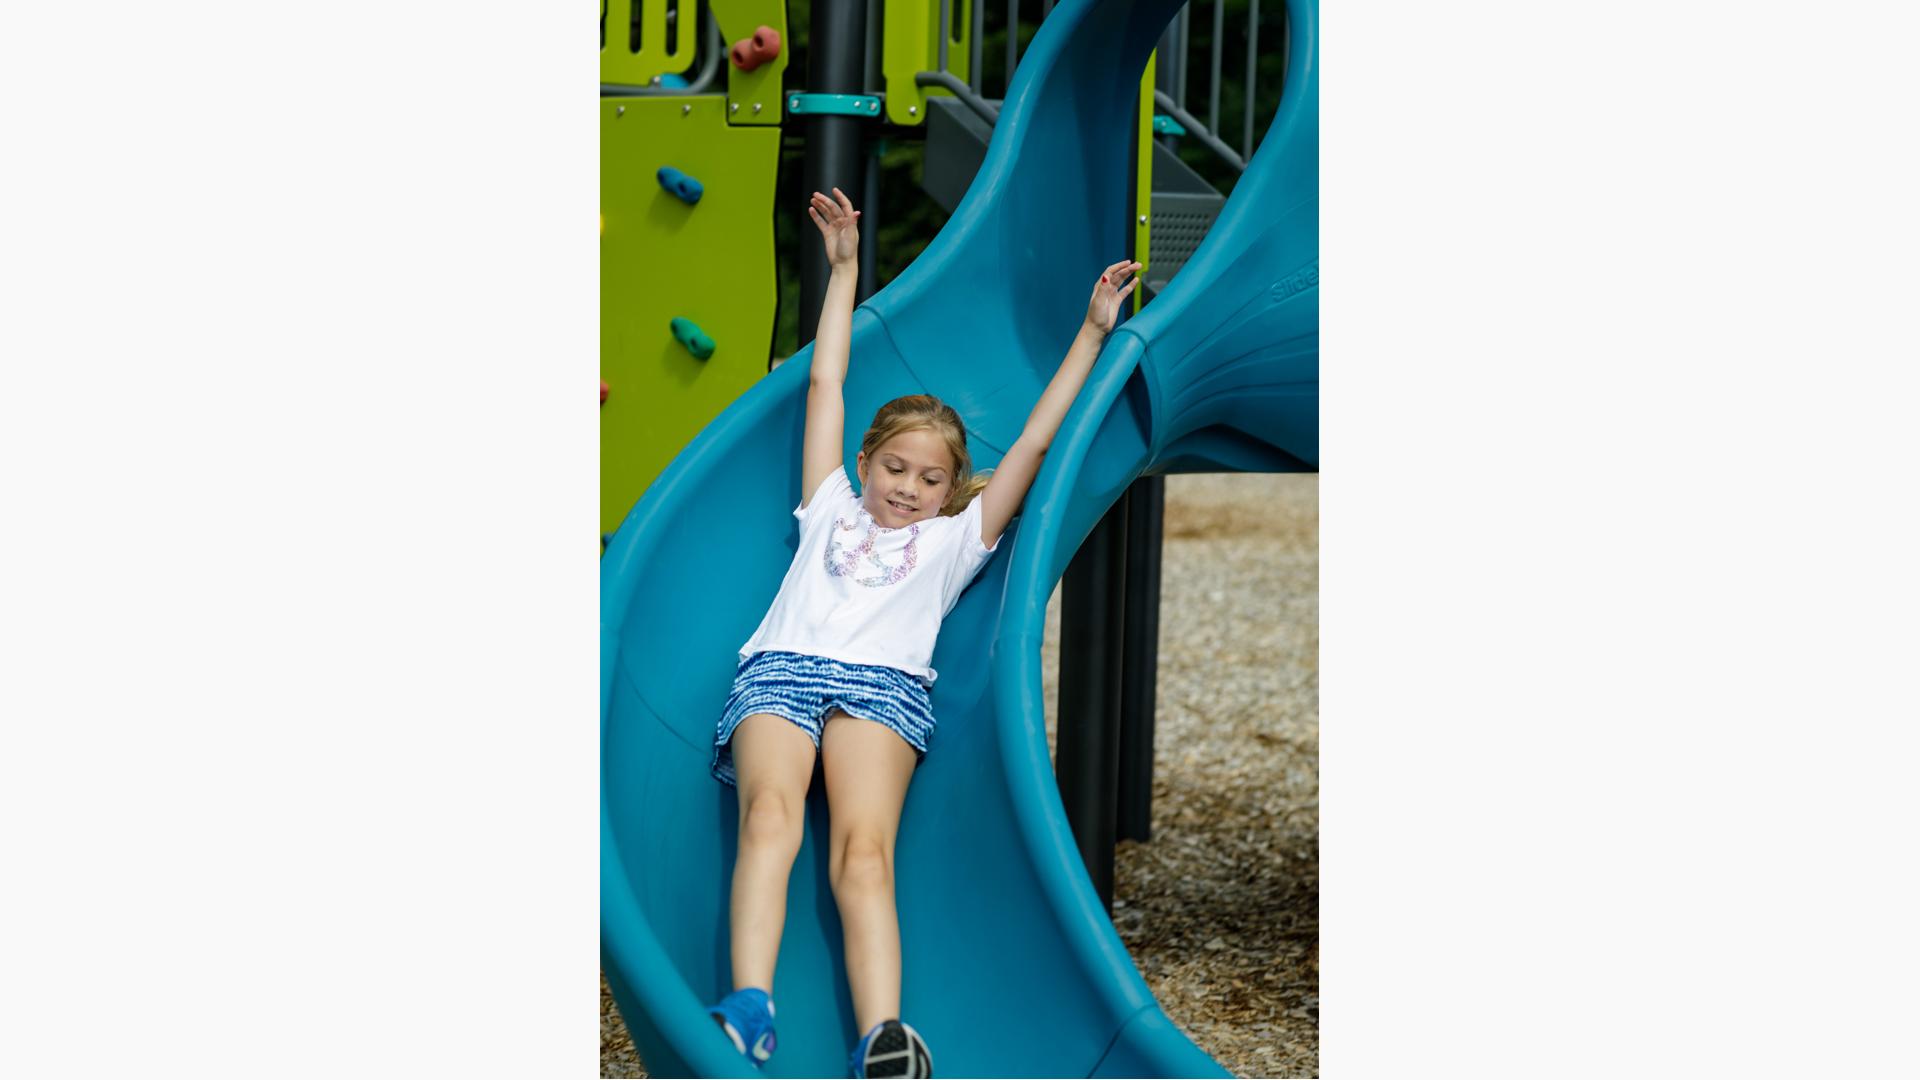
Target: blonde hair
x=924 y=412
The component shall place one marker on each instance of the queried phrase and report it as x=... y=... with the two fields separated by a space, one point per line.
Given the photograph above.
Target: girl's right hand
x=839 y=227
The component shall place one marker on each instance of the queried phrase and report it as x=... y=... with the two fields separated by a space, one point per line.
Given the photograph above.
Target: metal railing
x=1174 y=54
x=969 y=95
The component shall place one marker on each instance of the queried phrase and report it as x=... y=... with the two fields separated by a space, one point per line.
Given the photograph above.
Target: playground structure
x=693 y=114
x=1002 y=916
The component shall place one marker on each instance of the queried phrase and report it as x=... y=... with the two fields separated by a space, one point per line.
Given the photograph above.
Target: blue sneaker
x=747 y=1018
x=891 y=1049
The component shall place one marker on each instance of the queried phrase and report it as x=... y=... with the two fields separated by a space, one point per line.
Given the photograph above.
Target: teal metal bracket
x=833 y=104
x=1167 y=125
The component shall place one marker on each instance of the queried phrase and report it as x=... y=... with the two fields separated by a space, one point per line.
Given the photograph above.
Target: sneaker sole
x=897 y=1051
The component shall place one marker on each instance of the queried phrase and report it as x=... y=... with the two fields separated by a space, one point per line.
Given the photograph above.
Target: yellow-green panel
x=711 y=262
x=1143 y=187
x=621 y=65
x=912 y=45
x=738 y=20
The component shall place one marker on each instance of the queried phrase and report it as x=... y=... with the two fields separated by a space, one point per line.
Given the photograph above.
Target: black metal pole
x=1093 y=603
x=836 y=64
x=869 y=223
x=1087 y=754
x=1139 y=628
x=1147 y=500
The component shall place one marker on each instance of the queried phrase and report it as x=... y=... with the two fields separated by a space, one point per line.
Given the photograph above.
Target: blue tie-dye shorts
x=805 y=689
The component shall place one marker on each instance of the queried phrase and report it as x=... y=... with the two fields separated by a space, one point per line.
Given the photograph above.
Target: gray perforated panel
x=1178 y=225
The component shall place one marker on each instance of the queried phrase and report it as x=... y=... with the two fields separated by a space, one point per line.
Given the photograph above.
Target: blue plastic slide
x=1011 y=966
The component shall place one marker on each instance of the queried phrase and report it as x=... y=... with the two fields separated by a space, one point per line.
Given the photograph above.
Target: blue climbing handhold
x=680 y=185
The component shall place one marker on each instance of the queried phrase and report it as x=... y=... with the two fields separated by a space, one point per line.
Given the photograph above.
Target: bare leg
x=867 y=768
x=773 y=764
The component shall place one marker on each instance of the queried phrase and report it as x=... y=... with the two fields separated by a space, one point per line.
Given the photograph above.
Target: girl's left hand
x=1116 y=282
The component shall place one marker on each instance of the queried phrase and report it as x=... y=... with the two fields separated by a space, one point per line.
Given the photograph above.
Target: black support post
x=1087 y=751
x=1106 y=660
x=869 y=207
x=836 y=40
x=1147 y=500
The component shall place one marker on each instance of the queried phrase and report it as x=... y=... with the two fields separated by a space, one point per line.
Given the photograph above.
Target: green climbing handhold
x=694 y=338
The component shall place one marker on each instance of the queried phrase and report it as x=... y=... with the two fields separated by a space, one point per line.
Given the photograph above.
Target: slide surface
x=1011 y=966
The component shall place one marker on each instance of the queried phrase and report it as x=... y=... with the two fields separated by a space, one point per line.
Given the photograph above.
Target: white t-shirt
x=866 y=594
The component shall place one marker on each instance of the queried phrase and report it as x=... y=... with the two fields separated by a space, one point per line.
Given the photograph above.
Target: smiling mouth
x=897 y=506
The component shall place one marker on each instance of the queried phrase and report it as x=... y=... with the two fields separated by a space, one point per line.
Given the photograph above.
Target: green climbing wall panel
x=711 y=263
x=662 y=48
x=753 y=97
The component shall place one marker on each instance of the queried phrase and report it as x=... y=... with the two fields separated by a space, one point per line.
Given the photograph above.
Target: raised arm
x=1007 y=488
x=824 y=449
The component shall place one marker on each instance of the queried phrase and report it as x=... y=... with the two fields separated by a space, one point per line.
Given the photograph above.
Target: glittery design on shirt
x=844 y=559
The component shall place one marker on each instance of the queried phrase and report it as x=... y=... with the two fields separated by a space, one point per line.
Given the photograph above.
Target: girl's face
x=907 y=479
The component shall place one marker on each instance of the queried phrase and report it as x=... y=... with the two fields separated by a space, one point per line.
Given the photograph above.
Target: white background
x=298 y=475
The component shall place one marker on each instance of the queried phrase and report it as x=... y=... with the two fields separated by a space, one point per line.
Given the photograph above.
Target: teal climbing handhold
x=680 y=185
x=694 y=338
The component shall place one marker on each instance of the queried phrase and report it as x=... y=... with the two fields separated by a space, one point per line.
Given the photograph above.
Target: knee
x=771 y=820
x=865 y=865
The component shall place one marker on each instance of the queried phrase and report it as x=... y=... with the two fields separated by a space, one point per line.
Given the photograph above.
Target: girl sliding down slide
x=840 y=664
